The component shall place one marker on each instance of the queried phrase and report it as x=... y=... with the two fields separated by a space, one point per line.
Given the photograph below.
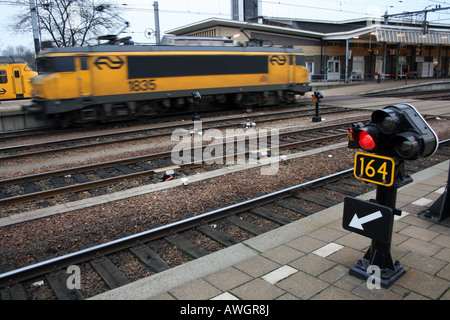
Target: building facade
x=352 y=50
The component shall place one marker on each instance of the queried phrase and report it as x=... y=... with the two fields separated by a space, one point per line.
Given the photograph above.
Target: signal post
x=316 y=97
x=394 y=134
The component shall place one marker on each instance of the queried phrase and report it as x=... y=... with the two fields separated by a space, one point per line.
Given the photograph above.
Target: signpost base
x=316 y=119
x=440 y=210
x=387 y=276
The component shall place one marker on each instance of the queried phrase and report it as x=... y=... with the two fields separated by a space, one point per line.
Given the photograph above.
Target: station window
x=3 y=76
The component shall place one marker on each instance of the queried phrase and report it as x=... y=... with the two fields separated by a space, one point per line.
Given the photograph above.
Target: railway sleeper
x=80 y=177
x=294 y=207
x=185 y=246
x=3 y=193
x=319 y=199
x=102 y=173
x=358 y=183
x=124 y=169
x=58 y=182
x=58 y=282
x=30 y=187
x=149 y=258
x=14 y=291
x=246 y=225
x=342 y=190
x=268 y=214
x=217 y=236
x=113 y=277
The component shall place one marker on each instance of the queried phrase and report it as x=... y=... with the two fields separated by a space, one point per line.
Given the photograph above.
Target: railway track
x=14 y=152
x=192 y=237
x=153 y=168
x=211 y=224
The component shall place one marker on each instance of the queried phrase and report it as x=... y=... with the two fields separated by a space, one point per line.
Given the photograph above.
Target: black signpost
x=316 y=97
x=395 y=134
x=375 y=219
x=440 y=210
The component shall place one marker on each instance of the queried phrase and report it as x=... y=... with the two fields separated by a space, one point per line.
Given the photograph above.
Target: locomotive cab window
x=56 y=64
x=16 y=74
x=3 y=76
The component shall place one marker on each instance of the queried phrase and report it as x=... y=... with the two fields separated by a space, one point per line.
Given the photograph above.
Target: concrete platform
x=310 y=259
x=351 y=96
x=12 y=116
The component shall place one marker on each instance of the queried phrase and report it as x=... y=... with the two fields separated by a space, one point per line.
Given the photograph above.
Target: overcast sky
x=177 y=13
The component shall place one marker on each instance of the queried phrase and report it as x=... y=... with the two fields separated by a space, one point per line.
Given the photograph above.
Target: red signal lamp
x=366 y=141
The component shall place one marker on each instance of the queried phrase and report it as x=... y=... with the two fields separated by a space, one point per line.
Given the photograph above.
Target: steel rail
x=138 y=131
x=57 y=263
x=146 y=173
x=91 y=167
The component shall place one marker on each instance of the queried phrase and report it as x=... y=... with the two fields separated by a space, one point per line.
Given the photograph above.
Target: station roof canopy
x=411 y=36
x=333 y=30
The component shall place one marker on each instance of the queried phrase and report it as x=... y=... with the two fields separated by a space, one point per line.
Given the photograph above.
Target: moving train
x=15 y=77
x=116 y=82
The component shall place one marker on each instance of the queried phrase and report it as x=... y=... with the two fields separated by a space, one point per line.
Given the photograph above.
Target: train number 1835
x=142 y=85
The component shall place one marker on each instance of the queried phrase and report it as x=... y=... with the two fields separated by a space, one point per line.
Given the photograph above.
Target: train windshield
x=56 y=64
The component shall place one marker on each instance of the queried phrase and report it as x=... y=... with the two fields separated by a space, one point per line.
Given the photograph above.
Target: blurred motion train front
x=119 y=82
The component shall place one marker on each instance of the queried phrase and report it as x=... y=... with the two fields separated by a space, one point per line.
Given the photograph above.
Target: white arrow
x=358 y=222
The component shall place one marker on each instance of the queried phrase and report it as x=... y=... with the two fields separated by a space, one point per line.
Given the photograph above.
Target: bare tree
x=20 y=52
x=70 y=23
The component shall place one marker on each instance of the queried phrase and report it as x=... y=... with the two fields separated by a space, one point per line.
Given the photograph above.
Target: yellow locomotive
x=114 y=82
x=15 y=77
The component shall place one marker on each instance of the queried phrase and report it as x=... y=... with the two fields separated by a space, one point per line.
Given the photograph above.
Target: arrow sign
x=358 y=222
x=368 y=218
x=2 y=91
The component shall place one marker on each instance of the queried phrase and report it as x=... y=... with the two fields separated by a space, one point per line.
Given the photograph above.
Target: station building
x=351 y=50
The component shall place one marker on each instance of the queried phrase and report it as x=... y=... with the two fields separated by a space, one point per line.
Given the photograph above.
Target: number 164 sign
x=374 y=168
